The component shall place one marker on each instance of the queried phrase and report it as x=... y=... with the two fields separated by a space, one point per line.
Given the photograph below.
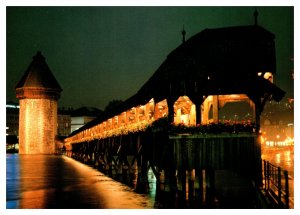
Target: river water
x=282 y=157
x=45 y=181
x=54 y=181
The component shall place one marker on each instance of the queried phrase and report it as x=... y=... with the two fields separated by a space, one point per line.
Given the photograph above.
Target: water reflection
x=282 y=157
x=277 y=159
x=39 y=181
x=12 y=181
x=191 y=190
x=44 y=181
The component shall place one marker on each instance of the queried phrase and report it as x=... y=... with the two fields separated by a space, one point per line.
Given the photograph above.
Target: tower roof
x=38 y=81
x=39 y=75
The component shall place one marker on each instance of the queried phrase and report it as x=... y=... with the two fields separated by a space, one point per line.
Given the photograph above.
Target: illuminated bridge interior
x=198 y=78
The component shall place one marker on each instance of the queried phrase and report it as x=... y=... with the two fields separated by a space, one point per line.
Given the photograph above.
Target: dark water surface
x=51 y=181
x=57 y=182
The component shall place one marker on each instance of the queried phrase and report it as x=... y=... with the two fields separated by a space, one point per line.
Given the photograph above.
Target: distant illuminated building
x=38 y=92
x=82 y=116
x=63 y=122
x=278 y=123
x=12 y=119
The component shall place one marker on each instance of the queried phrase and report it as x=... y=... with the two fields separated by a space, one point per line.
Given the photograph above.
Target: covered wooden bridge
x=173 y=123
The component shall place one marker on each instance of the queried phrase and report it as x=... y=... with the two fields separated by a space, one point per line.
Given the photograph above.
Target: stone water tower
x=38 y=91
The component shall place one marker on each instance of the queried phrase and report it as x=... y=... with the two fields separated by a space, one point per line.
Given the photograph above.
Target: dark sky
x=98 y=54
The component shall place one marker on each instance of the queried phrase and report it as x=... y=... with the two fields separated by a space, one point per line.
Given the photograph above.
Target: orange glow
x=138 y=118
x=161 y=109
x=37 y=126
x=185 y=111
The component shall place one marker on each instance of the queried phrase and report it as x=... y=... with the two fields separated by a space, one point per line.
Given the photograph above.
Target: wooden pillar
x=192 y=121
x=191 y=184
x=257 y=117
x=206 y=107
x=210 y=186
x=198 y=113
x=170 y=102
x=199 y=183
x=183 y=181
x=142 y=181
x=197 y=100
x=215 y=109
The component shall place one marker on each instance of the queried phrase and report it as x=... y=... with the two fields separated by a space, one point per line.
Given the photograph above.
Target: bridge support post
x=215 y=109
x=170 y=102
x=198 y=113
x=210 y=186
x=142 y=162
x=182 y=174
x=199 y=184
x=197 y=100
x=191 y=184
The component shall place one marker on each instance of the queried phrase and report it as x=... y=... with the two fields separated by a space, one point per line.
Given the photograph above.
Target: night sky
x=99 y=54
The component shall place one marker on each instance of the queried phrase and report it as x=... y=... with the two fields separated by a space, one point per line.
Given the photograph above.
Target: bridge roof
x=38 y=75
x=213 y=62
x=225 y=55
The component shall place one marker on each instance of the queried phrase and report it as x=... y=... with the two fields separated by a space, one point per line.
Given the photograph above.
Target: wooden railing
x=276 y=184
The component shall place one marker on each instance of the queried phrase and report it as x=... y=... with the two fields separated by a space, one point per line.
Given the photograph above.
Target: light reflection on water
x=277 y=158
x=12 y=181
x=280 y=156
x=40 y=181
x=45 y=181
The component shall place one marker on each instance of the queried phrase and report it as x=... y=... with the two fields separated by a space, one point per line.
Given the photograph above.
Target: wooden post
x=198 y=113
x=286 y=177
x=215 y=109
x=197 y=101
x=279 y=185
x=170 y=102
x=210 y=186
x=183 y=182
x=191 y=184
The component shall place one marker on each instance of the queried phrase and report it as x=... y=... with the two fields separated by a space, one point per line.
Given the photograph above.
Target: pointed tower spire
x=255 y=16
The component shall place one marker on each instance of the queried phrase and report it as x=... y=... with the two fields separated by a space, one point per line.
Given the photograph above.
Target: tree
x=112 y=104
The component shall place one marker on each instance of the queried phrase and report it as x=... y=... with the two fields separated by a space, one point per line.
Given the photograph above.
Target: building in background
x=12 y=119
x=12 y=127
x=82 y=116
x=63 y=122
x=68 y=120
x=277 y=123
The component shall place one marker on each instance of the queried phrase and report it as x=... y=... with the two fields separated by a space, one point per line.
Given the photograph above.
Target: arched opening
x=209 y=110
x=233 y=107
x=141 y=113
x=161 y=109
x=237 y=111
x=115 y=122
x=185 y=111
x=149 y=108
x=131 y=116
x=122 y=119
